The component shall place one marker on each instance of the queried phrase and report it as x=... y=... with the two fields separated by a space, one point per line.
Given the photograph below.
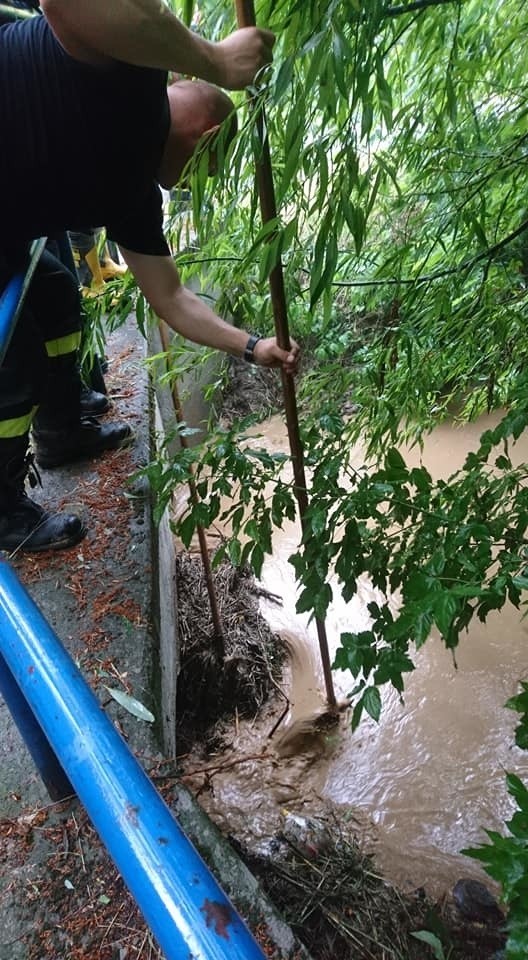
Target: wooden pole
x=245 y=12
x=206 y=560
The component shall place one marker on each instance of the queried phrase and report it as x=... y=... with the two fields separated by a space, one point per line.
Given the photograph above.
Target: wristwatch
x=250 y=346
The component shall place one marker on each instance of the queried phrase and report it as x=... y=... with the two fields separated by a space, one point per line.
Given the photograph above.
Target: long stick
x=16 y=13
x=206 y=560
x=245 y=12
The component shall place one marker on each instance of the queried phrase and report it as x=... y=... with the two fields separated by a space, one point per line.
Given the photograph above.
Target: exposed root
x=208 y=692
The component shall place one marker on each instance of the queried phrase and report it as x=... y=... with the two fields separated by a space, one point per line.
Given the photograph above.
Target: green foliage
x=107 y=311
x=238 y=485
x=398 y=134
x=520 y=704
x=506 y=860
x=398 y=140
x=451 y=550
x=398 y=143
x=399 y=147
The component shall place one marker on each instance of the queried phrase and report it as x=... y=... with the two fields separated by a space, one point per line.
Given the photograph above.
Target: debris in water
x=308 y=835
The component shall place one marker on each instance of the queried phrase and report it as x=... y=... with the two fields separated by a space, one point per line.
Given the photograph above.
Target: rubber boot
x=86 y=259
x=87 y=438
x=24 y=524
x=97 y=282
x=110 y=270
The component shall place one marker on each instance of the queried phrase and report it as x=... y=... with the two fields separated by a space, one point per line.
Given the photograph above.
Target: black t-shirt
x=79 y=144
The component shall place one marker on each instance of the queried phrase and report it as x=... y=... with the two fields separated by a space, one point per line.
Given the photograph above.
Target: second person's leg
x=61 y=435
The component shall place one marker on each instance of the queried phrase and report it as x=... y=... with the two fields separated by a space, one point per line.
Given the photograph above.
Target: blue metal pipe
x=13 y=296
x=9 y=299
x=55 y=780
x=187 y=911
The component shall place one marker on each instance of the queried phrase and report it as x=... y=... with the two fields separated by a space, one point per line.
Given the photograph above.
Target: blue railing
x=13 y=295
x=78 y=750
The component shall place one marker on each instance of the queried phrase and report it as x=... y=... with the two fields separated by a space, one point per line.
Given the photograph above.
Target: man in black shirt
x=52 y=70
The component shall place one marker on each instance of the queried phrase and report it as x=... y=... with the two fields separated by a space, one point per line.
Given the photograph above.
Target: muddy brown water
x=423 y=783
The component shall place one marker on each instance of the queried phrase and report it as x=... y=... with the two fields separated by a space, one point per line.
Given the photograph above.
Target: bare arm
x=147 y=34
x=186 y=313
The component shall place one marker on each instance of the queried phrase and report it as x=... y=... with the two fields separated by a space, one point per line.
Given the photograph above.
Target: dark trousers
x=40 y=369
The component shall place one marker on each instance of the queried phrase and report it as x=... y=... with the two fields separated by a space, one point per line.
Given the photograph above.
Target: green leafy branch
x=505 y=858
x=450 y=551
x=239 y=488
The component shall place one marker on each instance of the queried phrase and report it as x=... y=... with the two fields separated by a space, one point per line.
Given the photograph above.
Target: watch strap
x=250 y=347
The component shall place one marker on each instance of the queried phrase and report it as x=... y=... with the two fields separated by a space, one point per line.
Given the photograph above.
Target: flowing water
x=424 y=782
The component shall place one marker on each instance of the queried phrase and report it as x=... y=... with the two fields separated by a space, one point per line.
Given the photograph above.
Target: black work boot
x=93 y=403
x=28 y=527
x=79 y=441
x=24 y=524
